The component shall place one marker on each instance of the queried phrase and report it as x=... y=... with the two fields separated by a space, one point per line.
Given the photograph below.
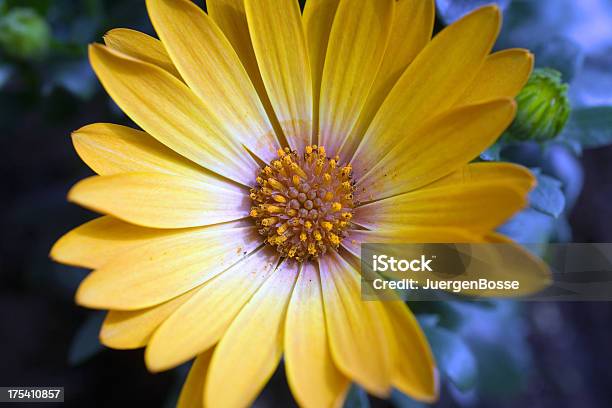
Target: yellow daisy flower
x=273 y=144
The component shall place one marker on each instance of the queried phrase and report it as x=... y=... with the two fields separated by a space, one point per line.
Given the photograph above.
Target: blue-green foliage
x=451 y=10
x=454 y=357
x=85 y=343
x=590 y=127
x=547 y=197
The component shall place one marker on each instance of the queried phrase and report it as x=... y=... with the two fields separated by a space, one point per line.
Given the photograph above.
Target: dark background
x=46 y=340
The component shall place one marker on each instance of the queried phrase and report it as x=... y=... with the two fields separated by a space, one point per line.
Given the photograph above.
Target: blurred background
x=491 y=354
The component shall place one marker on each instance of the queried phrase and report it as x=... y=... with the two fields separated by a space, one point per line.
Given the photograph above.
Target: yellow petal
x=212 y=69
x=502 y=75
x=477 y=207
x=414 y=369
x=504 y=263
x=442 y=145
x=192 y=393
x=356 y=47
x=110 y=149
x=431 y=84
x=133 y=329
x=355 y=334
x=507 y=262
x=160 y=200
x=162 y=269
x=409 y=234
x=251 y=349
x=140 y=46
x=318 y=18
x=314 y=379
x=519 y=264
x=169 y=111
x=411 y=30
x=96 y=242
x=201 y=322
x=516 y=174
x=230 y=16
x=280 y=47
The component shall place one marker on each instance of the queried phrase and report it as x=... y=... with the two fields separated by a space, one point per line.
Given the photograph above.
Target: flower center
x=303 y=204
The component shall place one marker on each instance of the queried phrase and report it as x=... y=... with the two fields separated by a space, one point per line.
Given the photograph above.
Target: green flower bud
x=543 y=107
x=24 y=34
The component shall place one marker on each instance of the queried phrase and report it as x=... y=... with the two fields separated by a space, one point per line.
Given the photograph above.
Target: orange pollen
x=303 y=205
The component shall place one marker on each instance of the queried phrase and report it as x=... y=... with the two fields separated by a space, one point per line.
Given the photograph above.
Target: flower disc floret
x=303 y=204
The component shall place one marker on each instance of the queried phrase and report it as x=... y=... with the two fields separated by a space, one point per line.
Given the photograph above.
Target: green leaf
x=41 y=6
x=591 y=127
x=357 y=398
x=401 y=400
x=592 y=85
x=528 y=226
x=560 y=53
x=85 y=344
x=440 y=313
x=455 y=359
x=6 y=71
x=501 y=374
x=572 y=145
x=493 y=152
x=180 y=375
x=560 y=161
x=547 y=197
x=24 y=34
x=452 y=10
x=76 y=77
